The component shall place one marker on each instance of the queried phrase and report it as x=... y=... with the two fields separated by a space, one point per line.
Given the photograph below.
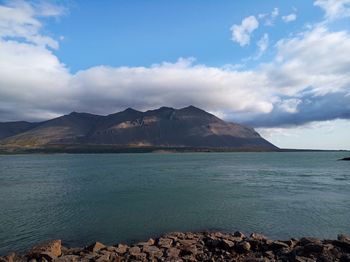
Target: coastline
x=196 y=246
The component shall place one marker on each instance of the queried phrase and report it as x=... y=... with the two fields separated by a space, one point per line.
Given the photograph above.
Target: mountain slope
x=163 y=127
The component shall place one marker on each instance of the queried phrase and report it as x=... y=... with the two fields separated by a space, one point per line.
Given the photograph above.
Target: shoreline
x=196 y=246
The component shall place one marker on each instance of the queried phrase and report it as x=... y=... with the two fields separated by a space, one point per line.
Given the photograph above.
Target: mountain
x=166 y=127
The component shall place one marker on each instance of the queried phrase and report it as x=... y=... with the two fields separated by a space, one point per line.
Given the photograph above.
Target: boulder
x=258 y=237
x=165 y=242
x=95 y=247
x=48 y=250
x=243 y=247
x=153 y=251
x=121 y=248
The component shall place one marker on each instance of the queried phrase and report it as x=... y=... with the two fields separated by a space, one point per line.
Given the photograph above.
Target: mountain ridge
x=163 y=127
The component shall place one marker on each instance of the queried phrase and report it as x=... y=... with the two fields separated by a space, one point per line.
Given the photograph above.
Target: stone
x=239 y=234
x=345 y=258
x=258 y=237
x=173 y=252
x=243 y=247
x=313 y=248
x=343 y=238
x=187 y=242
x=95 y=247
x=67 y=258
x=165 y=242
x=227 y=244
x=304 y=259
x=49 y=250
x=153 y=251
x=276 y=245
x=308 y=240
x=149 y=242
x=134 y=250
x=121 y=249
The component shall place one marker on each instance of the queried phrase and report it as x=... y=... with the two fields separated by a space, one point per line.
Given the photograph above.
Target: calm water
x=126 y=197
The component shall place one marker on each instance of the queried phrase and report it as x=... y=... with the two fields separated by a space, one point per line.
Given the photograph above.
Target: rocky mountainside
x=163 y=127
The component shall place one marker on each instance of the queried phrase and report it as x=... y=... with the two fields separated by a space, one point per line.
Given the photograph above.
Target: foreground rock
x=345 y=159
x=203 y=246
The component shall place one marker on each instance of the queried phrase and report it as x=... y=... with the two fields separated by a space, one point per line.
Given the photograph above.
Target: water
x=127 y=197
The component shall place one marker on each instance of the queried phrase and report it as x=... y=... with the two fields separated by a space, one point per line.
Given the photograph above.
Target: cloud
x=263 y=44
x=306 y=81
x=289 y=18
x=269 y=18
x=334 y=9
x=19 y=20
x=242 y=33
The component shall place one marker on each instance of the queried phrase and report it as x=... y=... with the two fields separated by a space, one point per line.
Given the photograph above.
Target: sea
x=113 y=198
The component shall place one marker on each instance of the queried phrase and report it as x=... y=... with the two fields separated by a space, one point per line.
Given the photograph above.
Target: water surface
x=128 y=197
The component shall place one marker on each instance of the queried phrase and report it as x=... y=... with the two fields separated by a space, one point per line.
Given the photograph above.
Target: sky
x=281 y=67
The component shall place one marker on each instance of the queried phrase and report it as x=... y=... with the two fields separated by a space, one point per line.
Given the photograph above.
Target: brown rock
x=187 y=242
x=308 y=240
x=227 y=244
x=304 y=259
x=173 y=252
x=134 y=250
x=67 y=258
x=343 y=238
x=239 y=234
x=258 y=237
x=153 y=251
x=243 y=247
x=165 y=242
x=276 y=245
x=49 y=250
x=149 y=242
x=121 y=249
x=95 y=247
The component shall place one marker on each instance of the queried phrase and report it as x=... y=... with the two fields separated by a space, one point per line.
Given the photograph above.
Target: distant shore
x=196 y=246
x=95 y=149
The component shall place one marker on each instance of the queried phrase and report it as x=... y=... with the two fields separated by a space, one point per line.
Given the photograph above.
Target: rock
x=239 y=234
x=304 y=259
x=345 y=258
x=121 y=249
x=313 y=248
x=153 y=251
x=276 y=245
x=49 y=250
x=187 y=242
x=227 y=244
x=67 y=258
x=344 y=245
x=243 y=247
x=258 y=237
x=173 y=252
x=343 y=238
x=150 y=242
x=345 y=159
x=95 y=247
x=165 y=242
x=134 y=250
x=309 y=240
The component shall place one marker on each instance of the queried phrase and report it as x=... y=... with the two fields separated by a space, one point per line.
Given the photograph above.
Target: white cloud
x=289 y=18
x=334 y=9
x=19 y=20
x=270 y=18
x=307 y=81
x=263 y=44
x=242 y=33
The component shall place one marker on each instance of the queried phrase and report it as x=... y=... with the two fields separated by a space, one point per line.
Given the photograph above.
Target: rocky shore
x=202 y=246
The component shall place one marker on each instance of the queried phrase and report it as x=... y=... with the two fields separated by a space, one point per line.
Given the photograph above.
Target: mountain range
x=166 y=127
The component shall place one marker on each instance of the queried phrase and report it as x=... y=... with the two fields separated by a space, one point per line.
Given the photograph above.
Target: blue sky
x=141 y=33
x=279 y=66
